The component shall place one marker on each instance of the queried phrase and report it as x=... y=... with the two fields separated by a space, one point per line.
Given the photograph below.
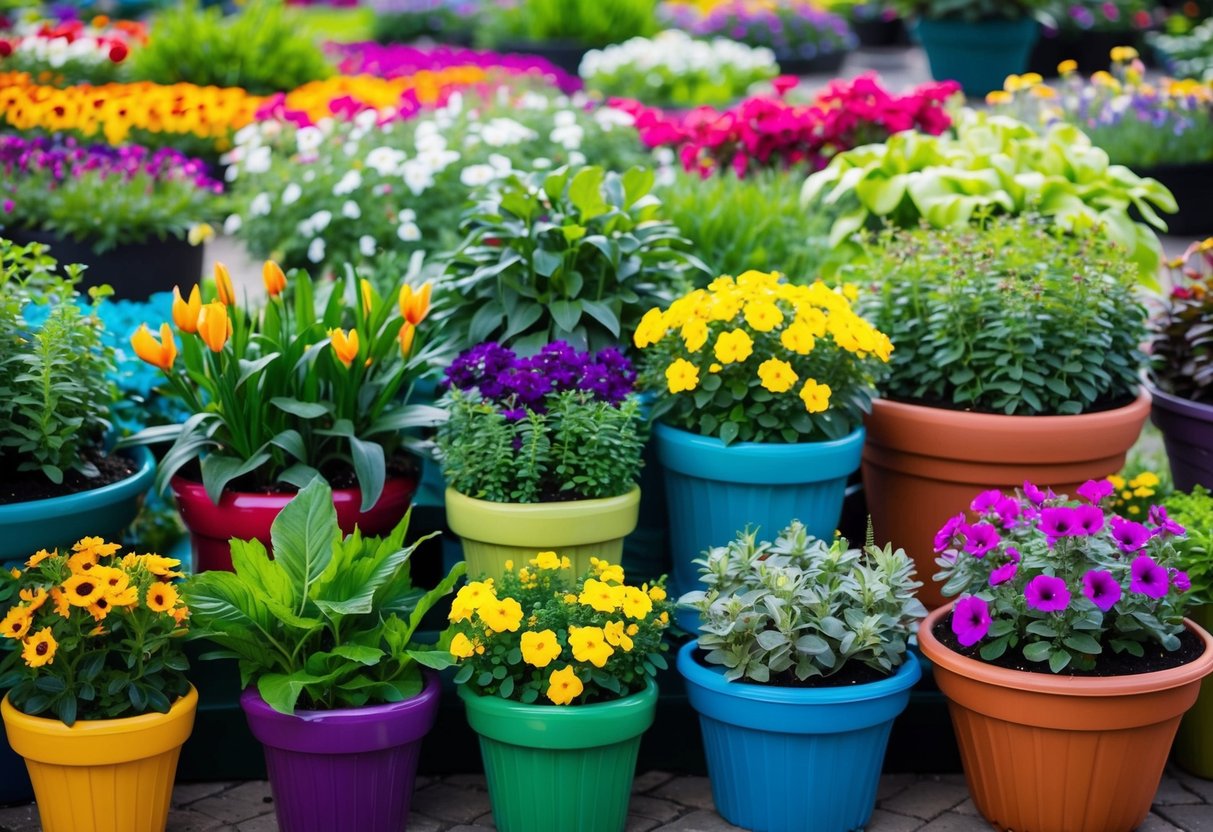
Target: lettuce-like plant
x=326 y=623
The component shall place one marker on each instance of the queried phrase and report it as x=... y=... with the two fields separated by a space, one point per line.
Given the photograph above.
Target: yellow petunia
x=564 y=686
x=589 y=644
x=695 y=334
x=657 y=593
x=608 y=571
x=546 y=560
x=763 y=315
x=798 y=338
x=636 y=602
x=777 y=375
x=681 y=376
x=470 y=598
x=461 y=646
x=601 y=596
x=733 y=346
x=616 y=635
x=503 y=615
x=816 y=397
x=540 y=649
x=651 y=329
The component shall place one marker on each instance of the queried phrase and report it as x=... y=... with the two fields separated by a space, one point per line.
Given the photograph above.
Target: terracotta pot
x=1045 y=753
x=921 y=465
x=247 y=516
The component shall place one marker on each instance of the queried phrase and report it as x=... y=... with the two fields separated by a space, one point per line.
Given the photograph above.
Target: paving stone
x=420 y=823
x=662 y=811
x=1172 y=793
x=689 y=791
x=638 y=824
x=238 y=804
x=1194 y=784
x=187 y=793
x=650 y=780
x=1153 y=823
x=486 y=821
x=450 y=803
x=700 y=821
x=467 y=781
x=461 y=828
x=926 y=799
x=183 y=820
x=891 y=784
x=883 y=821
x=1189 y=818
x=20 y=819
x=966 y=808
x=955 y=822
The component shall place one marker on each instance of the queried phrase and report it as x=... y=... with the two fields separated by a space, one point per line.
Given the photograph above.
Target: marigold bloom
x=160 y=353
x=777 y=375
x=345 y=347
x=223 y=285
x=564 y=686
x=17 y=623
x=540 y=649
x=589 y=644
x=681 y=376
x=214 y=326
x=162 y=597
x=82 y=590
x=273 y=278
x=415 y=305
x=39 y=649
x=185 y=313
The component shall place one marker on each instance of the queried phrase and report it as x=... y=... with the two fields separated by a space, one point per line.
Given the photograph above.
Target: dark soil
x=1109 y=663
x=1098 y=407
x=338 y=476
x=25 y=486
x=852 y=673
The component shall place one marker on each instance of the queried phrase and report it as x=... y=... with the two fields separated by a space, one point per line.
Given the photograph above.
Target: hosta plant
x=541 y=635
x=1181 y=344
x=1061 y=581
x=329 y=621
x=98 y=634
x=797 y=608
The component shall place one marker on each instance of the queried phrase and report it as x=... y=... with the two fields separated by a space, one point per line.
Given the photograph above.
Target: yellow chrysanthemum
x=681 y=376
x=564 y=686
x=816 y=397
x=636 y=603
x=616 y=635
x=589 y=644
x=462 y=647
x=82 y=590
x=733 y=346
x=503 y=615
x=17 y=623
x=777 y=375
x=1146 y=479
x=540 y=649
x=39 y=649
x=162 y=597
x=601 y=596
x=763 y=315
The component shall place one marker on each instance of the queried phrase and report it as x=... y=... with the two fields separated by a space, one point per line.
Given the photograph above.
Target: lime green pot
x=553 y=768
x=493 y=533
x=1194 y=742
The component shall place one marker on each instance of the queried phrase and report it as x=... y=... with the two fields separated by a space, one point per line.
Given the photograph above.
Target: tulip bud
x=223 y=285
x=160 y=353
x=185 y=314
x=273 y=277
x=214 y=327
x=345 y=347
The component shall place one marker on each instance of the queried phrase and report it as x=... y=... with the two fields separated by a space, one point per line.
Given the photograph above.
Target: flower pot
x=565 y=54
x=61 y=521
x=1092 y=50
x=1191 y=183
x=560 y=768
x=247 y=516
x=1045 y=753
x=344 y=769
x=879 y=31
x=715 y=491
x=922 y=465
x=493 y=533
x=1194 y=742
x=785 y=759
x=106 y=775
x=135 y=270
x=980 y=55
x=1187 y=432
x=823 y=63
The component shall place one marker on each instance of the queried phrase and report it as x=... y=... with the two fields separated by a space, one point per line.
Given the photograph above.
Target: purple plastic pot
x=1187 y=431
x=346 y=769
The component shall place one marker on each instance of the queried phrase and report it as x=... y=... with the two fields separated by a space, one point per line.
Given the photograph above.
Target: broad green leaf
x=370 y=467
x=218 y=470
x=265 y=577
x=303 y=534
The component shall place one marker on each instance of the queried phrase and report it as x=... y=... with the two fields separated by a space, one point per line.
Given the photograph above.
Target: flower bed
x=70 y=51
x=396 y=60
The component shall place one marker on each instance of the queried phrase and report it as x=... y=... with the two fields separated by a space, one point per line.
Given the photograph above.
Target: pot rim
x=764 y=463
x=555 y=525
x=1178 y=404
x=977 y=420
x=1062 y=685
x=194 y=489
x=49 y=508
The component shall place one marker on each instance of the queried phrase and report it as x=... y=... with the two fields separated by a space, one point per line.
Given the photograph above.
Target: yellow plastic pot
x=493 y=533
x=105 y=775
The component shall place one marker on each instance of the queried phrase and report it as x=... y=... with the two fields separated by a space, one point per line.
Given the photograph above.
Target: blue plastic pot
x=713 y=491
x=978 y=54
x=794 y=759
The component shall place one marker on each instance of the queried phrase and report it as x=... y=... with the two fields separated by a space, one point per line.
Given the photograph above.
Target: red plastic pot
x=247 y=516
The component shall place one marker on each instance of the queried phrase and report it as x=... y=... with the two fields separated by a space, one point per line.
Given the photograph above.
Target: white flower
x=366 y=245
x=409 y=232
x=308 y=139
x=291 y=194
x=576 y=158
x=664 y=156
x=232 y=224
x=321 y=219
x=438 y=160
x=366 y=119
x=261 y=205
x=258 y=160
x=350 y=148
x=568 y=136
x=418 y=176
x=348 y=183
x=609 y=118
x=350 y=210
x=565 y=118
x=503 y=132
x=385 y=161
x=474 y=176
x=408 y=215
x=501 y=164
x=315 y=251
x=430 y=140
x=309 y=176
x=541 y=163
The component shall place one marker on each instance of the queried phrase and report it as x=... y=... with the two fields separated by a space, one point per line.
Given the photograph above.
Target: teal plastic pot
x=61 y=521
x=713 y=491
x=554 y=768
x=980 y=54
x=794 y=759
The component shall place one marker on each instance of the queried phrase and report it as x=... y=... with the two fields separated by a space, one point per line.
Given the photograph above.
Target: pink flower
x=1180 y=580
x=1033 y=493
x=1129 y=536
x=1163 y=523
x=1095 y=491
x=970 y=620
x=945 y=538
x=986 y=501
x=1057 y=522
x=1101 y=589
x=1147 y=577
x=980 y=539
x=1088 y=519
x=1004 y=573
x=1047 y=594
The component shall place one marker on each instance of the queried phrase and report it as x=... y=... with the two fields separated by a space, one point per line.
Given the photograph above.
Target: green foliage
x=1013 y=317
x=992 y=164
x=445 y=21
x=590 y=23
x=328 y=622
x=1194 y=511
x=1188 y=53
x=972 y=10
x=259 y=49
x=1181 y=344
x=55 y=387
x=797 y=608
x=573 y=255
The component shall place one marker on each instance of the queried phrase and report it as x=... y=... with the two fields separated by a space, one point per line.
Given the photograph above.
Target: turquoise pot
x=61 y=521
x=980 y=54
x=713 y=491
x=795 y=759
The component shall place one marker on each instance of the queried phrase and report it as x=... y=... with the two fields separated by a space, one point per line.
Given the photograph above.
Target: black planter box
x=1191 y=184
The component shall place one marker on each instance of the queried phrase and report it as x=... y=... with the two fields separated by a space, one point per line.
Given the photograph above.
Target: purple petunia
x=1101 y=589
x=970 y=620
x=1129 y=536
x=980 y=538
x=1164 y=524
x=1008 y=511
x=1088 y=519
x=1034 y=494
x=986 y=501
x=1095 y=491
x=945 y=538
x=1180 y=580
x=1004 y=573
x=1047 y=594
x=1147 y=577
x=1057 y=522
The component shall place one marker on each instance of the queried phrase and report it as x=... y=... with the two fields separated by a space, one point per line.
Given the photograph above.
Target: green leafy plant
x=1187 y=53
x=798 y=608
x=258 y=49
x=571 y=255
x=326 y=623
x=55 y=380
x=1014 y=317
x=589 y=23
x=1194 y=511
x=971 y=10
x=1181 y=343
x=991 y=165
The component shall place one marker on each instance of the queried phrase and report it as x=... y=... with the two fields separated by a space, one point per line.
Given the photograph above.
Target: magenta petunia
x=1101 y=589
x=1034 y=494
x=1147 y=577
x=1089 y=519
x=1180 y=580
x=1047 y=594
x=1004 y=573
x=980 y=538
x=945 y=537
x=1095 y=491
x=1008 y=511
x=986 y=501
x=970 y=620
x=1164 y=524
x=1129 y=536
x=1058 y=521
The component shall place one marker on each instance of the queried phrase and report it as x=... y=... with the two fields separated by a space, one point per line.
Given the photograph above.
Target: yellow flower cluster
x=1127 y=76
x=91 y=579
x=721 y=325
x=317 y=98
x=1133 y=497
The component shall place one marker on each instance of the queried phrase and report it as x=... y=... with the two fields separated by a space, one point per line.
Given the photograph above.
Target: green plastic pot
x=560 y=768
x=1194 y=742
x=493 y=533
x=978 y=54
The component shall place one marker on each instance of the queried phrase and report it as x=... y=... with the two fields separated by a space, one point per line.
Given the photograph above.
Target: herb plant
x=326 y=623
x=99 y=634
x=1181 y=344
x=561 y=425
x=571 y=255
x=541 y=635
x=1061 y=581
x=798 y=608
x=1013 y=316
x=589 y=23
x=971 y=10
x=1194 y=511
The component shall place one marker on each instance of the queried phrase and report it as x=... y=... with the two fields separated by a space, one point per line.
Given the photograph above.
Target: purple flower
x=1101 y=589
x=1033 y=493
x=980 y=538
x=1008 y=511
x=1004 y=573
x=1058 y=521
x=1180 y=580
x=1147 y=577
x=945 y=537
x=1163 y=523
x=9 y=205
x=1088 y=519
x=1047 y=594
x=970 y=620
x=1095 y=491
x=1129 y=536
x=986 y=501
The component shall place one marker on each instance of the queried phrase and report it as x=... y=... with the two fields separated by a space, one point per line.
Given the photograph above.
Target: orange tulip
x=273 y=277
x=185 y=314
x=414 y=306
x=223 y=286
x=345 y=346
x=407 y=332
x=214 y=327
x=160 y=353
x=368 y=296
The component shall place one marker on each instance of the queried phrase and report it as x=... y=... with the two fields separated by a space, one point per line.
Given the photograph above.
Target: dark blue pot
x=794 y=759
x=713 y=491
x=980 y=55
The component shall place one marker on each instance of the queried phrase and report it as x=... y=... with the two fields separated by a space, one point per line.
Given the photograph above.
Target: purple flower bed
x=794 y=29
x=396 y=60
x=503 y=378
x=69 y=159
